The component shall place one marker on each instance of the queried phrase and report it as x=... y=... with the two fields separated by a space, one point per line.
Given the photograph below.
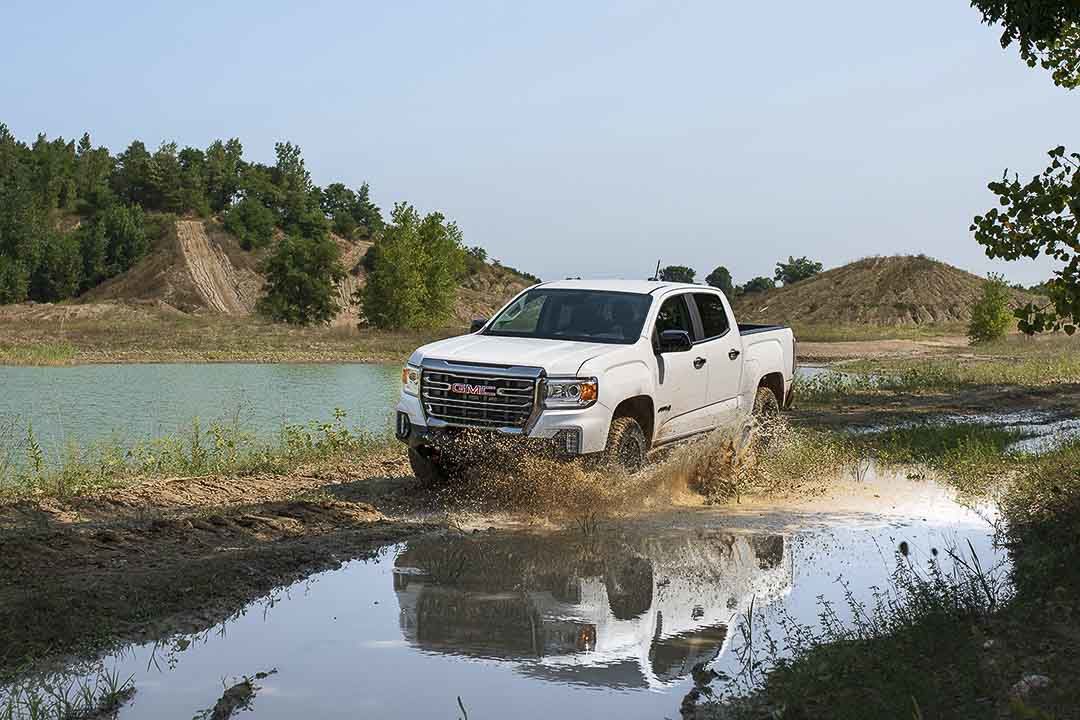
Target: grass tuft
x=45 y=353
x=219 y=448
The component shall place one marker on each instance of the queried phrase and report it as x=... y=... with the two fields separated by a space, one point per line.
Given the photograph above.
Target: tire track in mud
x=214 y=276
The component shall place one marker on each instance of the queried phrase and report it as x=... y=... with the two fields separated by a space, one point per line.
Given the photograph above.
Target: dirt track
x=214 y=276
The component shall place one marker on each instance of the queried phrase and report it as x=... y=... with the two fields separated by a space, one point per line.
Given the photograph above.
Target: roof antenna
x=656 y=275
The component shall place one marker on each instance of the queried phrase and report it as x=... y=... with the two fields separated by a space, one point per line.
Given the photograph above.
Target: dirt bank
x=1052 y=402
x=182 y=554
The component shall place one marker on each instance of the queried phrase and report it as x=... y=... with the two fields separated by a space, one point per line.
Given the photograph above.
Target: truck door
x=682 y=382
x=721 y=347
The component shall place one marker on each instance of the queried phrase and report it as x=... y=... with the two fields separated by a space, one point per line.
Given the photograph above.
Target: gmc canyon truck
x=607 y=369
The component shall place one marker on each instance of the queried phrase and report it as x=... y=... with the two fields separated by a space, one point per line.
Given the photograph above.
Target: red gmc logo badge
x=466 y=389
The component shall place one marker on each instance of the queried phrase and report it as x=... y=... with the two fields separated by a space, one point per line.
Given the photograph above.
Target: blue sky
x=579 y=138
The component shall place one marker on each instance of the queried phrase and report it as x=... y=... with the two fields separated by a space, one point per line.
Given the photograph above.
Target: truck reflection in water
x=614 y=611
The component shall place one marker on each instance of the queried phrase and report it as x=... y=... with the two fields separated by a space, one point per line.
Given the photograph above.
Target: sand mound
x=202 y=269
x=899 y=290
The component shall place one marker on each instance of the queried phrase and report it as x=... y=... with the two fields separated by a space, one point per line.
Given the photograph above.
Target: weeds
x=47 y=353
x=62 y=697
x=220 y=448
x=1003 y=363
x=833 y=332
x=970 y=456
x=946 y=639
x=915 y=642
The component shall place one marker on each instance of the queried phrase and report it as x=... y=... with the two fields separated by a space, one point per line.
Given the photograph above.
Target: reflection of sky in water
x=546 y=626
x=88 y=403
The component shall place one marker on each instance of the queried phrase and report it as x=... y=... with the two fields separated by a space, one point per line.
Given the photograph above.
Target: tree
x=990 y=315
x=166 y=192
x=339 y=203
x=59 y=271
x=794 y=270
x=367 y=214
x=133 y=179
x=413 y=271
x=720 y=278
x=250 y=222
x=14 y=280
x=677 y=273
x=93 y=168
x=224 y=168
x=443 y=267
x=1040 y=216
x=758 y=284
x=52 y=176
x=1047 y=33
x=94 y=250
x=301 y=280
x=193 y=195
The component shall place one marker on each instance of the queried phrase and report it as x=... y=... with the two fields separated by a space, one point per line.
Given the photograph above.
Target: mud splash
x=772 y=459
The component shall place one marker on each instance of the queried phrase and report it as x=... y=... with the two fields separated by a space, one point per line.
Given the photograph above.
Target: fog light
x=403 y=426
x=568 y=441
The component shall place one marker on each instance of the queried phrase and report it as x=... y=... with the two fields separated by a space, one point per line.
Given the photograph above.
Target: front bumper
x=552 y=428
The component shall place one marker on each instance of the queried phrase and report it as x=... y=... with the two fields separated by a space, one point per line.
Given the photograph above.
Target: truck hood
x=557 y=357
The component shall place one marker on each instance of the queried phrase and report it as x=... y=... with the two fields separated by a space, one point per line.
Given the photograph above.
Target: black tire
x=766 y=406
x=759 y=426
x=428 y=471
x=626 y=445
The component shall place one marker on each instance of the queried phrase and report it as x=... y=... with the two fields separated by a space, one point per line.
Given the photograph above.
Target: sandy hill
x=202 y=269
x=899 y=290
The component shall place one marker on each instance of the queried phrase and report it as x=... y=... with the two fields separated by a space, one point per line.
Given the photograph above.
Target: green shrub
x=301 y=280
x=990 y=315
x=251 y=222
x=413 y=271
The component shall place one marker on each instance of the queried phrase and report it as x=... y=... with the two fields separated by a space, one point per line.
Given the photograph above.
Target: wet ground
x=605 y=623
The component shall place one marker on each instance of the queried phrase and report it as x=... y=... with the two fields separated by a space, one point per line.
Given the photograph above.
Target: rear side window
x=714 y=320
x=674 y=315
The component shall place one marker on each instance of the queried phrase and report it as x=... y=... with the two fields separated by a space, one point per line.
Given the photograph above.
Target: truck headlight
x=410 y=379
x=570 y=393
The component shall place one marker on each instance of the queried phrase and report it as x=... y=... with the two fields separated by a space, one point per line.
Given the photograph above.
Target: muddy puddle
x=607 y=623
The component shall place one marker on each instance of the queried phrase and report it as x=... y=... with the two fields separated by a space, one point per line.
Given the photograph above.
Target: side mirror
x=477 y=325
x=675 y=341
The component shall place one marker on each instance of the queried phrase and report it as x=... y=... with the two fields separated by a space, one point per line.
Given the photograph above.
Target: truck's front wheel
x=626 y=445
x=428 y=471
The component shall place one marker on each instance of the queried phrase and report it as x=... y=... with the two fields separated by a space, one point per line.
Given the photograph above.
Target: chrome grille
x=477 y=400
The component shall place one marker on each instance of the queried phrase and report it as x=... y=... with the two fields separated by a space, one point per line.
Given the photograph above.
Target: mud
x=1055 y=402
x=609 y=622
x=180 y=553
x=235 y=699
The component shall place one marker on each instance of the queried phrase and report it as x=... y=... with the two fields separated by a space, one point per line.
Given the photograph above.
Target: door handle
x=699 y=363
x=733 y=354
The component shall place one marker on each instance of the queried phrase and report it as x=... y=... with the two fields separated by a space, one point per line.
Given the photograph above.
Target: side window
x=714 y=320
x=674 y=315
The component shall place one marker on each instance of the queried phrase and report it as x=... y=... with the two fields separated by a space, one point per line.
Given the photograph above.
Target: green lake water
x=89 y=403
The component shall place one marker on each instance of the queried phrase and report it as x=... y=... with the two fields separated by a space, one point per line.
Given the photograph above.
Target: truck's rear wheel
x=427 y=470
x=758 y=430
x=626 y=445
x=766 y=406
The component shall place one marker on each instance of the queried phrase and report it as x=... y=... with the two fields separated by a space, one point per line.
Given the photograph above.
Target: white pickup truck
x=608 y=368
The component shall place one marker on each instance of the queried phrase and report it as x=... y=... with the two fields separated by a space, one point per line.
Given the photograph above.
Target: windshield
x=583 y=315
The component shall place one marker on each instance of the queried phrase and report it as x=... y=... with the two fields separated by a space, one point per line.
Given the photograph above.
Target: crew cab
x=604 y=368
